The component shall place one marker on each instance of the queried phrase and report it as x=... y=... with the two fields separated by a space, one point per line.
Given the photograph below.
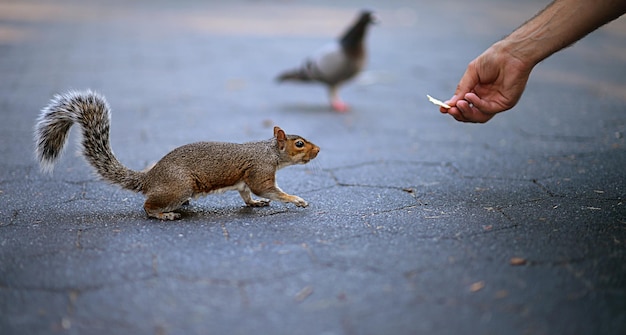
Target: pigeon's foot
x=340 y=106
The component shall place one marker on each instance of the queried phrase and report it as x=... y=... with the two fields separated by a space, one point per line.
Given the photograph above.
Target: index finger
x=468 y=81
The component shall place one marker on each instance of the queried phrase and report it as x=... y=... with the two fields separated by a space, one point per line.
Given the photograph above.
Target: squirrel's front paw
x=299 y=202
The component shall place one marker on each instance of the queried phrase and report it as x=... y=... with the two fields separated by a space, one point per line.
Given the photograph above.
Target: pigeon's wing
x=331 y=65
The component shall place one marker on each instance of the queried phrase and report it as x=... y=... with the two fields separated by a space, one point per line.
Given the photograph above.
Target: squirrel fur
x=186 y=172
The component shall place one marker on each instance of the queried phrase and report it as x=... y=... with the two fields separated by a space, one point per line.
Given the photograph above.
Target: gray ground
x=413 y=221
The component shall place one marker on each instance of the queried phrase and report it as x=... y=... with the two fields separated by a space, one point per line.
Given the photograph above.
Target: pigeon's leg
x=335 y=101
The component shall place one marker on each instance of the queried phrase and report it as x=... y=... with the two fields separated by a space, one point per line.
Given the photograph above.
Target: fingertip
x=452 y=101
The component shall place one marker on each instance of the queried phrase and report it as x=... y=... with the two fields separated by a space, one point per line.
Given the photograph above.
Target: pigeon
x=337 y=62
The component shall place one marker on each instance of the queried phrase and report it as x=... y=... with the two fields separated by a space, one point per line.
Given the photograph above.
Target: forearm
x=552 y=30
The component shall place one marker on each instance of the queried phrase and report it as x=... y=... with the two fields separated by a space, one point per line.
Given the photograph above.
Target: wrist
x=526 y=55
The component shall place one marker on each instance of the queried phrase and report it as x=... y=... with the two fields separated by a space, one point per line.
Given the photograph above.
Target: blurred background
x=414 y=216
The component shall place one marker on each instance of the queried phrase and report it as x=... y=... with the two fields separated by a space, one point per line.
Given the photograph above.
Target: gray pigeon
x=336 y=63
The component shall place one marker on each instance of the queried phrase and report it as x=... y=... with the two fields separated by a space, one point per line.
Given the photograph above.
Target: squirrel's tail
x=91 y=111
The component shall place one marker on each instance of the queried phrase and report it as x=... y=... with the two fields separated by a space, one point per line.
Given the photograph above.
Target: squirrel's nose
x=315 y=151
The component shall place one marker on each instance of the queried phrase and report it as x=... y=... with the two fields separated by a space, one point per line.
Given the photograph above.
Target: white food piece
x=437 y=102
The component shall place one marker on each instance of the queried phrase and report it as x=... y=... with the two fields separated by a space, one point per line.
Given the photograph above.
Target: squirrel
x=187 y=172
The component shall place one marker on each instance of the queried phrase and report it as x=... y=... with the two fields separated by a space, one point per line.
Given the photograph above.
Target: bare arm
x=559 y=25
x=495 y=80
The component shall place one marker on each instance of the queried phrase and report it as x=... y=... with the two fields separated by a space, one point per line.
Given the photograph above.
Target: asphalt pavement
x=417 y=224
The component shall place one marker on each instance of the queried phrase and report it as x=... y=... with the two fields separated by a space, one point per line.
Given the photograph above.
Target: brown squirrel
x=186 y=172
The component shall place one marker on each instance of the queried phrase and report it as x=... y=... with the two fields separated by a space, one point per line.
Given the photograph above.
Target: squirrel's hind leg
x=165 y=216
x=161 y=206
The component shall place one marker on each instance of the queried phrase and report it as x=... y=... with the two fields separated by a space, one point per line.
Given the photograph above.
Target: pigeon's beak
x=374 y=19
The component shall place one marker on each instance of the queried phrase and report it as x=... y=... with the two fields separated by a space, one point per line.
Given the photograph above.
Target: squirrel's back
x=207 y=167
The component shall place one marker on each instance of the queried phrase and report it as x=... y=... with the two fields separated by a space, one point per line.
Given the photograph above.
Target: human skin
x=495 y=80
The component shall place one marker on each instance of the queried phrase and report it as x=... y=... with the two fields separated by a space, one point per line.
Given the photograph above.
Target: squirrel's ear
x=280 y=136
x=276 y=130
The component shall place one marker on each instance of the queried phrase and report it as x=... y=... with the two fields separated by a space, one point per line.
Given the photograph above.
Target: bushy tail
x=91 y=111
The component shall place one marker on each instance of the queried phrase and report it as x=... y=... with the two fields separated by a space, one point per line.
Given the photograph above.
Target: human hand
x=492 y=83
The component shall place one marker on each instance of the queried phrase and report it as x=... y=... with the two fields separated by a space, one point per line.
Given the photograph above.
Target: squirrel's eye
x=299 y=143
